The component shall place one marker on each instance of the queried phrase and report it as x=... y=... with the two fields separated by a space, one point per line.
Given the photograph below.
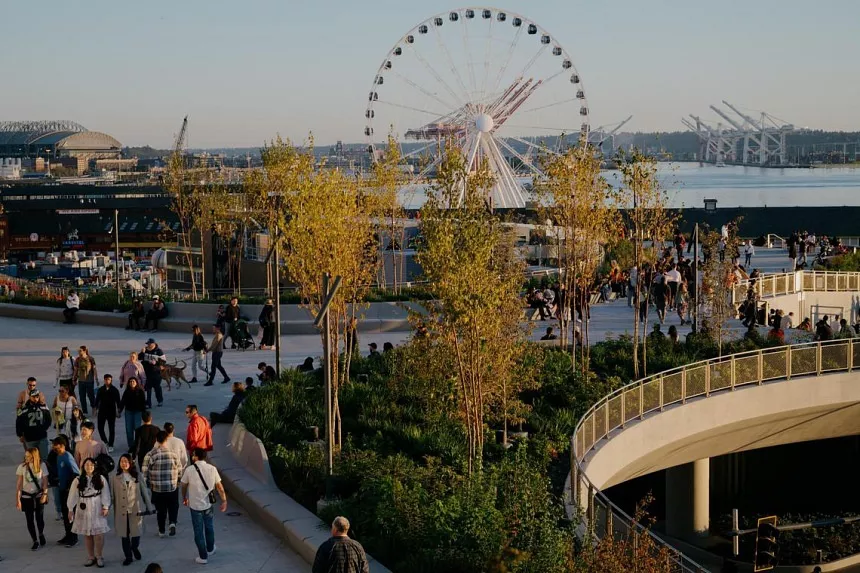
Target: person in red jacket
x=199 y=434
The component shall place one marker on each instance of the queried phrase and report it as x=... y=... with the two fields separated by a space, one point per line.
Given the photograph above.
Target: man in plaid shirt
x=161 y=469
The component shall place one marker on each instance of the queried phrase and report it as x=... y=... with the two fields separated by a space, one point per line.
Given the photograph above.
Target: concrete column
x=688 y=510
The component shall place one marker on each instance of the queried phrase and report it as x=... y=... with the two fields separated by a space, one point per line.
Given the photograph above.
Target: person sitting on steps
x=135 y=315
x=73 y=305
x=156 y=313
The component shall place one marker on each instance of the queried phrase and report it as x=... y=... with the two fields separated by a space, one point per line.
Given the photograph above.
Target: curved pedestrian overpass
x=680 y=418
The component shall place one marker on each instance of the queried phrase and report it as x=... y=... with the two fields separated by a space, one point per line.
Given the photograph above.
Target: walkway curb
x=243 y=465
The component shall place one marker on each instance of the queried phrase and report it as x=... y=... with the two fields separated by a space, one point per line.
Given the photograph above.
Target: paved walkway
x=30 y=348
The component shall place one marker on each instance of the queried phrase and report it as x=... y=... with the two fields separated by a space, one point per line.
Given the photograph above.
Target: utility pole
x=696 y=279
x=277 y=302
x=118 y=259
x=330 y=288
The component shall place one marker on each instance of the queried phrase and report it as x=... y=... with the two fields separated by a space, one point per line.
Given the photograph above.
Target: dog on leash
x=174 y=372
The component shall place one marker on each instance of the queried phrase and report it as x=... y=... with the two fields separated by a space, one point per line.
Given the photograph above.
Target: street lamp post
x=118 y=258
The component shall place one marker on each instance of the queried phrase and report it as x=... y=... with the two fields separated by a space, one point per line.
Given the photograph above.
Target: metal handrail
x=777 y=284
x=700 y=379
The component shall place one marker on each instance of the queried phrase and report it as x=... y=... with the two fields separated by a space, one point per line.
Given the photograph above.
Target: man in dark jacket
x=137 y=312
x=144 y=438
x=152 y=357
x=156 y=313
x=823 y=332
x=31 y=426
x=340 y=554
x=231 y=318
x=107 y=406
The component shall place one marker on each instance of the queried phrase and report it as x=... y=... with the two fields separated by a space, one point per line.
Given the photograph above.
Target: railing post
x=707 y=379
x=606 y=421
x=684 y=386
x=760 y=366
x=641 y=400
x=623 y=408
x=590 y=513
x=733 y=376
x=660 y=389
x=818 y=360
x=788 y=362
x=850 y=361
x=608 y=532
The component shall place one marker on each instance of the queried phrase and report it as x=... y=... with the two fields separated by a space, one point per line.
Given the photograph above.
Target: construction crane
x=599 y=135
x=747 y=133
x=770 y=133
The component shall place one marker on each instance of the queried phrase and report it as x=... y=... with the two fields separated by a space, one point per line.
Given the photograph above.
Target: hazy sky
x=246 y=71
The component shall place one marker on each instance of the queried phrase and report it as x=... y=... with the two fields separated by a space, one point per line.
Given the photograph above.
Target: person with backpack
x=65 y=370
x=64 y=404
x=88 y=505
x=107 y=409
x=31 y=426
x=32 y=495
x=85 y=378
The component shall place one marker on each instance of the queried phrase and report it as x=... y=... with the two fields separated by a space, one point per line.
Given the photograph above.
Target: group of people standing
x=79 y=472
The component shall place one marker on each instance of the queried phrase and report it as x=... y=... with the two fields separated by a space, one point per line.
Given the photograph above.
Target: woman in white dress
x=89 y=504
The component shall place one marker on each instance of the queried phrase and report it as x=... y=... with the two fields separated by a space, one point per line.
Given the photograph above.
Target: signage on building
x=78 y=211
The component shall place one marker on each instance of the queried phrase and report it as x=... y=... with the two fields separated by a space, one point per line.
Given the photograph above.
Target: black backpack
x=104 y=464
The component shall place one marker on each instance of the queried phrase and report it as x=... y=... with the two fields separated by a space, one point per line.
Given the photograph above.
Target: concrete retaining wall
x=378 y=317
x=243 y=464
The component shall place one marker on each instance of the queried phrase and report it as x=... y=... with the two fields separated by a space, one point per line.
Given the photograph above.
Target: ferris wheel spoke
x=522 y=159
x=508 y=58
x=535 y=146
x=469 y=63
x=560 y=102
x=426 y=92
x=418 y=109
x=508 y=185
x=474 y=151
x=419 y=150
x=438 y=77
x=415 y=181
x=531 y=62
x=487 y=60
x=454 y=69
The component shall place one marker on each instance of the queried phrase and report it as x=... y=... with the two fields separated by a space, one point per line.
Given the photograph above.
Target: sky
x=247 y=71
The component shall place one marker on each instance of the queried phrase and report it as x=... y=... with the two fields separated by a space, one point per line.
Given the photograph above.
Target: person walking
x=24 y=395
x=232 y=314
x=161 y=469
x=65 y=370
x=133 y=368
x=131 y=502
x=107 y=410
x=86 y=374
x=54 y=482
x=67 y=471
x=198 y=346
x=31 y=426
x=144 y=438
x=749 y=251
x=62 y=408
x=31 y=491
x=199 y=433
x=88 y=505
x=682 y=303
x=152 y=358
x=199 y=483
x=340 y=553
x=216 y=349
x=73 y=305
x=133 y=405
x=88 y=447
x=267 y=323
x=175 y=445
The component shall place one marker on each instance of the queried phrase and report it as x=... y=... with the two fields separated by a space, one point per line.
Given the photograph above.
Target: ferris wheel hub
x=484 y=123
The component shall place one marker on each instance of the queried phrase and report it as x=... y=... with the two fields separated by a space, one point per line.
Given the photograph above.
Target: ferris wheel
x=493 y=83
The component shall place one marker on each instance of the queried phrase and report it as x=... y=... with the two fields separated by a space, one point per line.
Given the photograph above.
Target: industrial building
x=40 y=143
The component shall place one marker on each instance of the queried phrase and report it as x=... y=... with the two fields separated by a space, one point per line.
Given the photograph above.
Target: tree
x=324 y=225
x=582 y=207
x=718 y=279
x=649 y=224
x=381 y=193
x=185 y=203
x=475 y=276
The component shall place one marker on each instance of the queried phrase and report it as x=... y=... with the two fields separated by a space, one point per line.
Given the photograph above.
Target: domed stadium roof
x=63 y=135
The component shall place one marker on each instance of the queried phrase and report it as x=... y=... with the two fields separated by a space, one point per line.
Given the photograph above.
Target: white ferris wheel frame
x=476 y=122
